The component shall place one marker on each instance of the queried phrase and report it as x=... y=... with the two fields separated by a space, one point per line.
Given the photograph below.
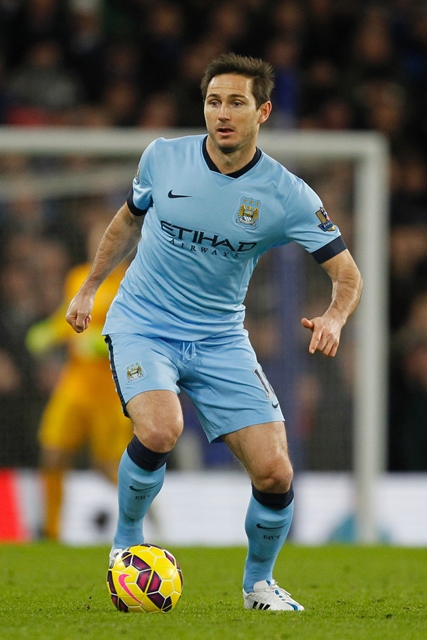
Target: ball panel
x=155 y=583
x=126 y=558
x=181 y=578
x=110 y=583
x=167 y=605
x=170 y=557
x=139 y=563
x=143 y=580
x=157 y=599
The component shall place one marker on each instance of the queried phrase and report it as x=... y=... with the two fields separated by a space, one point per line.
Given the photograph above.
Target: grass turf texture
x=55 y=592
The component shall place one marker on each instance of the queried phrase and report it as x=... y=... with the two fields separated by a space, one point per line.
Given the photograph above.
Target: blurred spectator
x=159 y=111
x=31 y=279
x=42 y=88
x=382 y=107
x=408 y=396
x=120 y=100
x=335 y=115
x=19 y=404
x=229 y=25
x=408 y=235
x=19 y=298
x=374 y=56
x=373 y=80
x=287 y=19
x=86 y=47
x=89 y=116
x=31 y=22
x=320 y=83
x=329 y=27
x=4 y=98
x=123 y=62
x=27 y=291
x=409 y=189
x=408 y=252
x=284 y=55
x=163 y=34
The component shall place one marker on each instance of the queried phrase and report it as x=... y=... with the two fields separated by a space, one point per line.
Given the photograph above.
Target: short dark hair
x=260 y=71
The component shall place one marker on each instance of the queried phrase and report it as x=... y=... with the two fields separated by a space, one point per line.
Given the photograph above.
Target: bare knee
x=160 y=437
x=275 y=477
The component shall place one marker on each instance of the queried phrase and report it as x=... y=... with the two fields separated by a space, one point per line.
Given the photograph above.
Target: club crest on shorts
x=134 y=371
x=247 y=215
x=326 y=223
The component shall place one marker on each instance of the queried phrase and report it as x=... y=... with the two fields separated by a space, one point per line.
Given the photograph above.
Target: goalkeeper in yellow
x=84 y=408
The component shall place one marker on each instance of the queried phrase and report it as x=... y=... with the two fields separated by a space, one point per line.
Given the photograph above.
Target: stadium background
x=352 y=65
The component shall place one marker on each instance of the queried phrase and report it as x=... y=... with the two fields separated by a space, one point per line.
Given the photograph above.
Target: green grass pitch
x=54 y=592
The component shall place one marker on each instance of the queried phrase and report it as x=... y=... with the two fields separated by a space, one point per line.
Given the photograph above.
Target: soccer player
x=211 y=206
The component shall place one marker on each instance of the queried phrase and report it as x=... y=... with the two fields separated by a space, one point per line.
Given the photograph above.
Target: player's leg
x=263 y=451
x=157 y=421
x=146 y=383
x=233 y=393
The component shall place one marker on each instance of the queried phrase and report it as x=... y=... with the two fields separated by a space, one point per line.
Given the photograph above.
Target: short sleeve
x=139 y=198
x=308 y=223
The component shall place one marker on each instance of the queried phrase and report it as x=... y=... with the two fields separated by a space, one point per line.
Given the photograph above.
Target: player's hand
x=78 y=313
x=326 y=332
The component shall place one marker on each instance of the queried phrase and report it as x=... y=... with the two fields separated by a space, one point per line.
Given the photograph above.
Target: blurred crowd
x=347 y=65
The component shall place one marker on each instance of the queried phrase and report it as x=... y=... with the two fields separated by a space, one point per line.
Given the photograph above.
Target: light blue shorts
x=220 y=375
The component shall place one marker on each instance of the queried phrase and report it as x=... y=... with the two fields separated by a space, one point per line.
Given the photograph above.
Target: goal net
x=55 y=183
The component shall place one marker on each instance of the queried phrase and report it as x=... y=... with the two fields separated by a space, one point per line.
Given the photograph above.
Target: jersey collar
x=236 y=174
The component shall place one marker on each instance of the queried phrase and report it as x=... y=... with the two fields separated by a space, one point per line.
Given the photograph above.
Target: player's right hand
x=78 y=314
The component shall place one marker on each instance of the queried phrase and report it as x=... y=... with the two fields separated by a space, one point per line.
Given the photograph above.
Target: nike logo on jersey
x=274 y=405
x=176 y=195
x=268 y=528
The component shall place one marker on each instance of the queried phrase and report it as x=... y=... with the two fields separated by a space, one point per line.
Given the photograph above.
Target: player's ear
x=264 y=111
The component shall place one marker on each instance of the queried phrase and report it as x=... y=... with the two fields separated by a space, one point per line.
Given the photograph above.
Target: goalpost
x=369 y=153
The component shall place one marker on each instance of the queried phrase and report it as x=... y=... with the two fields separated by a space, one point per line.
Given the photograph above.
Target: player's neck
x=229 y=162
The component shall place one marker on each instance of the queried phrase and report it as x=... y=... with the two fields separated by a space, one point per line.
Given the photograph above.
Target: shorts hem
x=219 y=436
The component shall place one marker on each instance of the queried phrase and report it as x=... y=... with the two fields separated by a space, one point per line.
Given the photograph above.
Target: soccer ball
x=145 y=578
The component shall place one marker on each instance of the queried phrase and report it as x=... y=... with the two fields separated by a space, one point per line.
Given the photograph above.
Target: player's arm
x=346 y=291
x=119 y=240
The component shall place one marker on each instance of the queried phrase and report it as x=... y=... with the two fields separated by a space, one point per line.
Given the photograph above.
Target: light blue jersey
x=203 y=235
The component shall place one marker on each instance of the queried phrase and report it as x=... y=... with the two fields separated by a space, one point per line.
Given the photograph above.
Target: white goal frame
x=370 y=154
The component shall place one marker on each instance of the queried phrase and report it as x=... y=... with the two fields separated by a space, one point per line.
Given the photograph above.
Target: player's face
x=231 y=114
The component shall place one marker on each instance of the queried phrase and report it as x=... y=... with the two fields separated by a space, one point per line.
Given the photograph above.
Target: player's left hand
x=326 y=332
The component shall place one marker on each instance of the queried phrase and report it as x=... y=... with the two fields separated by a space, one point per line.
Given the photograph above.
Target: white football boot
x=268 y=595
x=113 y=555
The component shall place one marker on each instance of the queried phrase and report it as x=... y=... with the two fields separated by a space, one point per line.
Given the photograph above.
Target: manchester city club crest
x=247 y=214
x=134 y=371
